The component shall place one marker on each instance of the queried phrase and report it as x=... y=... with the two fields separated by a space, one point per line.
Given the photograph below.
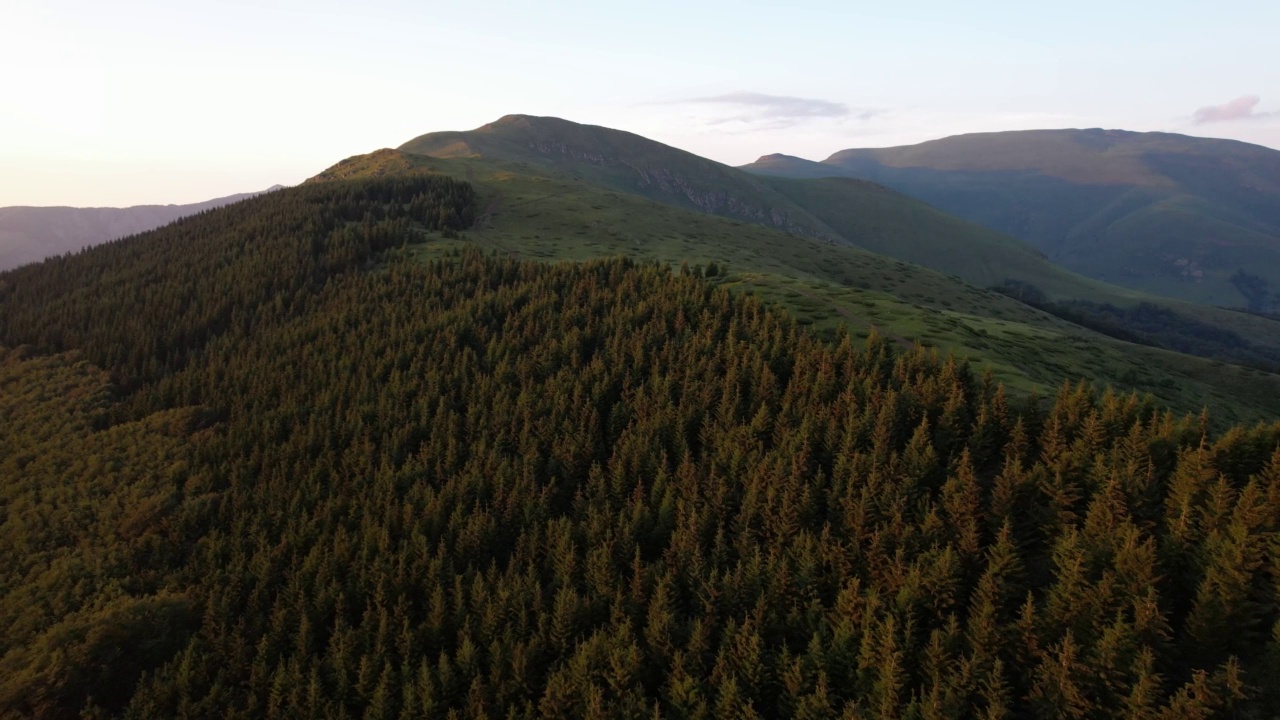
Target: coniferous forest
x=265 y=462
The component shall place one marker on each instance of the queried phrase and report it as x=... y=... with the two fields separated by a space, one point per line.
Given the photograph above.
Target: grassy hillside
x=543 y=214
x=1178 y=216
x=627 y=162
x=889 y=223
x=857 y=214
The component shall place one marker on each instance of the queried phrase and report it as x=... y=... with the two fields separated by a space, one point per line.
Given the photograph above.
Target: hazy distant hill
x=28 y=234
x=1187 y=217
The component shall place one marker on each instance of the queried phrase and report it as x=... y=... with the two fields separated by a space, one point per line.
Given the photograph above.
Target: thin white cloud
x=1242 y=108
x=778 y=105
x=772 y=112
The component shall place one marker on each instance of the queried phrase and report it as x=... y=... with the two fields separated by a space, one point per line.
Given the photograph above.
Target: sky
x=132 y=102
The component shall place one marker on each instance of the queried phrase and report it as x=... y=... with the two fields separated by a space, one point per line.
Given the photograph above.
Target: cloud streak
x=777 y=105
x=1242 y=108
x=776 y=111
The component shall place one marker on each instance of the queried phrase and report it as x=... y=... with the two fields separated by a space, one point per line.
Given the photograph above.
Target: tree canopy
x=265 y=463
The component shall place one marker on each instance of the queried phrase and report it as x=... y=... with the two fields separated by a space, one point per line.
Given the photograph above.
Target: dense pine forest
x=266 y=462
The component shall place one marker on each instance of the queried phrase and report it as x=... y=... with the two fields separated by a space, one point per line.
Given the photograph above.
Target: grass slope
x=544 y=214
x=1163 y=213
x=627 y=162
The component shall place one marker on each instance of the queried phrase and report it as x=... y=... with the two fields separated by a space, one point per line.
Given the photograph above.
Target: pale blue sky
x=131 y=102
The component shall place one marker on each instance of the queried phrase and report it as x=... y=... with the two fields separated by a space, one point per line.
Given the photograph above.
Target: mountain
x=538 y=212
x=1185 y=217
x=351 y=450
x=845 y=214
x=29 y=234
x=627 y=162
x=864 y=215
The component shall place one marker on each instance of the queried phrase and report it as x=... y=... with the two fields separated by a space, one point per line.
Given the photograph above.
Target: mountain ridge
x=631 y=163
x=536 y=212
x=627 y=161
x=868 y=216
x=1192 y=218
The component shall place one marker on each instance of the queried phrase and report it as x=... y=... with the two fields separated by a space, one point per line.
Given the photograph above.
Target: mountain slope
x=540 y=213
x=29 y=234
x=857 y=214
x=627 y=162
x=887 y=222
x=1185 y=217
x=848 y=213
x=283 y=469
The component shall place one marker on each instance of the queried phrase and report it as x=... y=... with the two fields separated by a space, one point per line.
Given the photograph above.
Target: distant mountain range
x=1192 y=218
x=30 y=234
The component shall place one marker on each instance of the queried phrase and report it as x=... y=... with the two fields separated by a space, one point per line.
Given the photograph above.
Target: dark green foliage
x=482 y=487
x=142 y=308
x=1257 y=292
x=94 y=520
x=1152 y=325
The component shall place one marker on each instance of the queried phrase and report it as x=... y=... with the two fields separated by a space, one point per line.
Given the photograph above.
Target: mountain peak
x=776 y=157
x=623 y=161
x=524 y=122
x=522 y=137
